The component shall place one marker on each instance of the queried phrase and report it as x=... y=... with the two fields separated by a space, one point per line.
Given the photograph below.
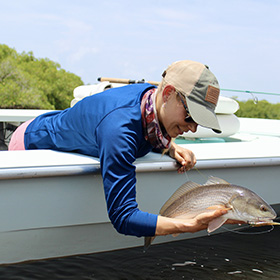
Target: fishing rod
x=250 y=91
x=255 y=98
x=128 y=81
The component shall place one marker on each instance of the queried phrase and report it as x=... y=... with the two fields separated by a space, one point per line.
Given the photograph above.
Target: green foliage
x=263 y=109
x=30 y=83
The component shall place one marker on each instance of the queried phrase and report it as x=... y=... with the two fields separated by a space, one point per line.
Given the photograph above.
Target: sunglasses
x=188 y=118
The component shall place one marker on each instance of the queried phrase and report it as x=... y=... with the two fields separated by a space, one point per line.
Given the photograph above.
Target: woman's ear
x=167 y=91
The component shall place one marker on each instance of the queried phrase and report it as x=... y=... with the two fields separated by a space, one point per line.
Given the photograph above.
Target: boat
x=52 y=203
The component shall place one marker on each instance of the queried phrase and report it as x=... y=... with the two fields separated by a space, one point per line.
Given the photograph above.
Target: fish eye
x=263 y=208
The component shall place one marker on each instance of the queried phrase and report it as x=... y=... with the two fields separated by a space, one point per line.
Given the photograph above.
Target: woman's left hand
x=184 y=157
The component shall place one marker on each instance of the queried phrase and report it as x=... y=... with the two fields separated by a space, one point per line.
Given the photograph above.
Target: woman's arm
x=167 y=225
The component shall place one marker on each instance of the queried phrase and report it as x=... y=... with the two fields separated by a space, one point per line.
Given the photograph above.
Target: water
x=215 y=257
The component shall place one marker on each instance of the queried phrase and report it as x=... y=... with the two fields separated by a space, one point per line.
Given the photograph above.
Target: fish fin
x=181 y=191
x=148 y=242
x=175 y=234
x=215 y=180
x=216 y=223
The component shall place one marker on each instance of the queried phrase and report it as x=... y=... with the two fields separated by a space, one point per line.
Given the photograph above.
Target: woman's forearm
x=167 y=225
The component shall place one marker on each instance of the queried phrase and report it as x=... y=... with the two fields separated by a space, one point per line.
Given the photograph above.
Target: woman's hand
x=184 y=157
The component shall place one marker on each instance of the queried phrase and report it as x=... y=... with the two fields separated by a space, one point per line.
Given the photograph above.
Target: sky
x=238 y=39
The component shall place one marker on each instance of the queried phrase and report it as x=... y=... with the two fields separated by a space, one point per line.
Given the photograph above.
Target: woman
x=122 y=124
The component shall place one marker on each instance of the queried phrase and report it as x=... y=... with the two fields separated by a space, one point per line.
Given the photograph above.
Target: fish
x=192 y=199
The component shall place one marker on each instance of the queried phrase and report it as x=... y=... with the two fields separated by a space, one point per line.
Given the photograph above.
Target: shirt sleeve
x=118 y=139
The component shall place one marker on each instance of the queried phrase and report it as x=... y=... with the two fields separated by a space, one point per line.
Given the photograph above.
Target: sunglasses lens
x=189 y=119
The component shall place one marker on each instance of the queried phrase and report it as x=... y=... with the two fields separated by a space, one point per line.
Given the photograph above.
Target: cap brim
x=203 y=116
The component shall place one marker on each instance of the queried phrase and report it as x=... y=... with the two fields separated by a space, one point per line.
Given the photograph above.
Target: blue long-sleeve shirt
x=105 y=125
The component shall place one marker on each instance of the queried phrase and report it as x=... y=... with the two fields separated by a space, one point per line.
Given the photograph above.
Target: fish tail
x=148 y=242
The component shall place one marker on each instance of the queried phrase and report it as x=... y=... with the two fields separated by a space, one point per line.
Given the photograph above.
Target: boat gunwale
x=156 y=166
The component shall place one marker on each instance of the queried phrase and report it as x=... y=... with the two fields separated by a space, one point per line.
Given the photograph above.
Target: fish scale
x=200 y=198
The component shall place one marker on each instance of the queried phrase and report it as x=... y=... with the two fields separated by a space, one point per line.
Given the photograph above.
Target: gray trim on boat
x=82 y=169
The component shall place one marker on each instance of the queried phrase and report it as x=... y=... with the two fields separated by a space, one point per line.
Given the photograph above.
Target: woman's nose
x=193 y=127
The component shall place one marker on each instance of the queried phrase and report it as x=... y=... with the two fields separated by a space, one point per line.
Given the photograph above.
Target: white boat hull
x=52 y=204
x=46 y=217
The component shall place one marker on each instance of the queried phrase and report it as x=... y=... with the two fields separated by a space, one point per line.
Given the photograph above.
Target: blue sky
x=238 y=39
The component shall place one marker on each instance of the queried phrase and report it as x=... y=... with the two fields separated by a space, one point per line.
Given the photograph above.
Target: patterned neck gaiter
x=153 y=133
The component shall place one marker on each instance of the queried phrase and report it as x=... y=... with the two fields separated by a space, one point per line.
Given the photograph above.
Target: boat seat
x=81 y=92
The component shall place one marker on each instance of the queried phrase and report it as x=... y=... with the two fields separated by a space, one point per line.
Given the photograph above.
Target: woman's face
x=172 y=116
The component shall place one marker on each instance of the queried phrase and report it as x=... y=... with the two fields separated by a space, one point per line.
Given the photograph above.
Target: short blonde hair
x=162 y=85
